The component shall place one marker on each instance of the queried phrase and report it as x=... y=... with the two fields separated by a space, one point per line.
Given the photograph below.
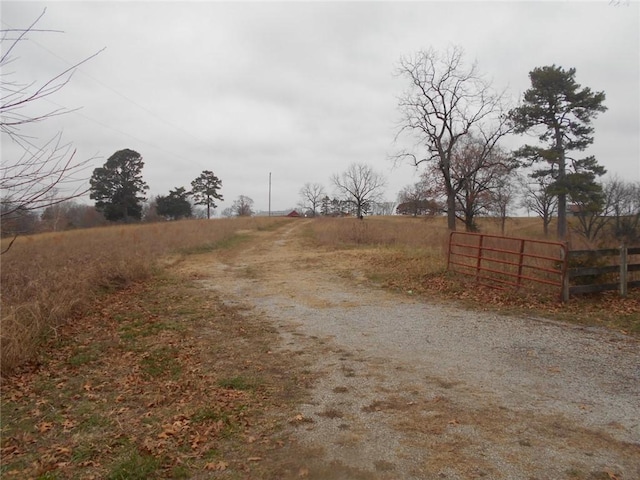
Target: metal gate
x=509 y=262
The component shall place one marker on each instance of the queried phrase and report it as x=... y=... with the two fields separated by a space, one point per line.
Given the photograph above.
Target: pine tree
x=118 y=188
x=205 y=190
x=560 y=111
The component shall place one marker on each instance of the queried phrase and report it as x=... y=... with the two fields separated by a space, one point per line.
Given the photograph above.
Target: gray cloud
x=303 y=89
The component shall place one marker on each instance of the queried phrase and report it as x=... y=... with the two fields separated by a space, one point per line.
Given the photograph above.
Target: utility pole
x=269 y=193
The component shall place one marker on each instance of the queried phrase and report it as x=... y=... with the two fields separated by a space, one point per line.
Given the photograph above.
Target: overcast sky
x=302 y=90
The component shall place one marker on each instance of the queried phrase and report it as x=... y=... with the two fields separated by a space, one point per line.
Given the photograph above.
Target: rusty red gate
x=509 y=262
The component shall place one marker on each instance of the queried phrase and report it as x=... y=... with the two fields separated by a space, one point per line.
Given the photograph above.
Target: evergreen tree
x=325 y=208
x=118 y=188
x=560 y=112
x=205 y=190
x=175 y=205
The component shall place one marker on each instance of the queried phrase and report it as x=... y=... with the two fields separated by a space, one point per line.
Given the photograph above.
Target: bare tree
x=625 y=199
x=361 y=185
x=312 y=195
x=70 y=214
x=28 y=178
x=415 y=199
x=503 y=196
x=613 y=203
x=445 y=102
x=56 y=217
x=150 y=211
x=383 y=208
x=592 y=206
x=243 y=206
x=476 y=174
x=539 y=198
x=17 y=222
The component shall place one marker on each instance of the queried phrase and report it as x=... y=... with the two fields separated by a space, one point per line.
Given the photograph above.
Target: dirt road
x=413 y=389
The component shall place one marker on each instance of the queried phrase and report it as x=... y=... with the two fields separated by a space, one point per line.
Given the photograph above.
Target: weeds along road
x=410 y=389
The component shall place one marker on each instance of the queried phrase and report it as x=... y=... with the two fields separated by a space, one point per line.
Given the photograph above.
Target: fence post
x=565 y=273
x=623 y=270
x=520 y=262
x=479 y=263
x=449 y=250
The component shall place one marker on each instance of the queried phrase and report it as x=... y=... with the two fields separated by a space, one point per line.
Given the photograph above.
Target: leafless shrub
x=32 y=178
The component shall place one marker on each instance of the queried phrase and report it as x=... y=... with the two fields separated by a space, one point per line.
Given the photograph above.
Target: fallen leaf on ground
x=45 y=427
x=216 y=466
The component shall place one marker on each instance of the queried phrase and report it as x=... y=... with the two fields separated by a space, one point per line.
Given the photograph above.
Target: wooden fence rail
x=594 y=273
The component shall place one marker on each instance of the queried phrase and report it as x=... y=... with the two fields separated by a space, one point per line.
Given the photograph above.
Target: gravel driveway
x=416 y=390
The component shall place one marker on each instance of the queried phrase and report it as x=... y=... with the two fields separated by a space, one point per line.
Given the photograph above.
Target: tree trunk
x=562 y=216
x=451 y=213
x=562 y=196
x=451 y=204
x=469 y=223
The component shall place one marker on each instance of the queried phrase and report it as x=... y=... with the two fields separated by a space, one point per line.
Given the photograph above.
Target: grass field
x=48 y=279
x=114 y=366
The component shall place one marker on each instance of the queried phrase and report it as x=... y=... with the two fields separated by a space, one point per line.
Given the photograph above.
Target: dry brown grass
x=409 y=255
x=418 y=232
x=380 y=231
x=48 y=279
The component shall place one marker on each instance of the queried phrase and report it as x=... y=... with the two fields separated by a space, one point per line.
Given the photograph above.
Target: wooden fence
x=509 y=262
x=597 y=271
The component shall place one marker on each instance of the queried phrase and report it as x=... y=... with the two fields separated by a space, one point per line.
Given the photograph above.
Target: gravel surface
x=412 y=389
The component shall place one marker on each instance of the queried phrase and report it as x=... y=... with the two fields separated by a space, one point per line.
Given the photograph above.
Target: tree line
x=459 y=121
x=118 y=190
x=39 y=185
x=455 y=118
x=359 y=191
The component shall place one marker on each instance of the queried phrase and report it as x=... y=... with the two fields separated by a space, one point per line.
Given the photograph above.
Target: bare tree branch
x=312 y=194
x=538 y=198
x=360 y=184
x=445 y=102
x=29 y=179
